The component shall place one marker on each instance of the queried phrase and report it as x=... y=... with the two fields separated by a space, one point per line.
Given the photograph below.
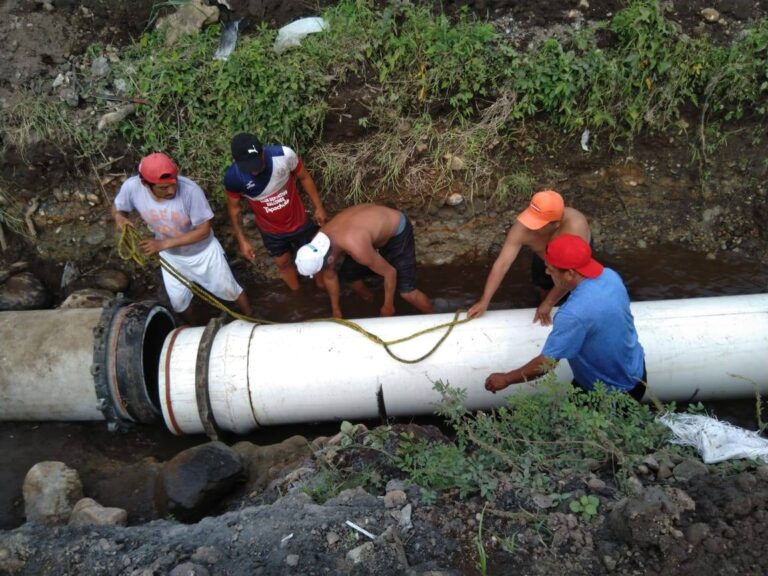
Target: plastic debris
x=362 y=531
x=716 y=441
x=69 y=275
x=585 y=140
x=292 y=34
x=228 y=40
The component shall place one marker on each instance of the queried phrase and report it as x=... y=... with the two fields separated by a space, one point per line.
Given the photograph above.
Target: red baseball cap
x=157 y=168
x=569 y=252
x=545 y=207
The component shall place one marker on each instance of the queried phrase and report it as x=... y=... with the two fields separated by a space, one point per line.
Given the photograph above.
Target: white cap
x=310 y=257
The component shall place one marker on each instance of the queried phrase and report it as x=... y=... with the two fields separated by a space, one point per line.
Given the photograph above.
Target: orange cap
x=545 y=207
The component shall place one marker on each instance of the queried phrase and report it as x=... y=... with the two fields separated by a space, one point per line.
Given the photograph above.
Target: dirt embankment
x=704 y=523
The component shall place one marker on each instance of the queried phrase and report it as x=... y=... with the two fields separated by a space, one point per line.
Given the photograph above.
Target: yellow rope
x=128 y=249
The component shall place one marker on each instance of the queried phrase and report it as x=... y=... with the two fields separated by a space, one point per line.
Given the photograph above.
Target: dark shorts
x=539 y=275
x=637 y=392
x=400 y=252
x=279 y=244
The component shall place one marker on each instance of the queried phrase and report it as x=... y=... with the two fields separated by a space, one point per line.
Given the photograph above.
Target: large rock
x=50 y=492
x=689 y=469
x=265 y=463
x=87 y=298
x=112 y=280
x=24 y=292
x=88 y=512
x=193 y=481
x=190 y=18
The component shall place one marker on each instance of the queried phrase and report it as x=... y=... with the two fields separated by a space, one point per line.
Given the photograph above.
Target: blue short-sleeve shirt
x=595 y=331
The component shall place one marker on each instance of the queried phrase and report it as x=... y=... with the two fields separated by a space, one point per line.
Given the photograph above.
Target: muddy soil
x=641 y=201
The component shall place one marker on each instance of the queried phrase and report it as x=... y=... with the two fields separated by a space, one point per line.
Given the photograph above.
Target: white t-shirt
x=168 y=218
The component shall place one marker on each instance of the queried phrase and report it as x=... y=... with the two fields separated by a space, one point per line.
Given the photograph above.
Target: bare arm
x=308 y=184
x=501 y=266
x=533 y=369
x=544 y=311
x=120 y=218
x=369 y=257
x=196 y=234
x=235 y=212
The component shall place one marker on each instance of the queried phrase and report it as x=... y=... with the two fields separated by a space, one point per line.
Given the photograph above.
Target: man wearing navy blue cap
x=265 y=176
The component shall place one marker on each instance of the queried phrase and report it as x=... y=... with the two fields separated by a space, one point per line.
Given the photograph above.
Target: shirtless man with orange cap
x=545 y=218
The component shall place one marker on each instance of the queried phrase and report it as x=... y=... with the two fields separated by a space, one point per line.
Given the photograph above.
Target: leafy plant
x=534 y=441
x=434 y=85
x=586 y=506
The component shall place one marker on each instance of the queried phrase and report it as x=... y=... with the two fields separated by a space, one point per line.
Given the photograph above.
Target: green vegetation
x=438 y=89
x=534 y=441
x=33 y=119
x=586 y=506
x=533 y=444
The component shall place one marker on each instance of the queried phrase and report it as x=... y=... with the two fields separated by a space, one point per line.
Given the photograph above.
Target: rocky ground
x=682 y=517
x=679 y=518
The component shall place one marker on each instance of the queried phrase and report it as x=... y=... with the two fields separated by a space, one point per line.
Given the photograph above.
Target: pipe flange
x=202 y=393
x=99 y=369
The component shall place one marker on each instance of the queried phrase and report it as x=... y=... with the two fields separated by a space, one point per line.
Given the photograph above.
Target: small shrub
x=586 y=506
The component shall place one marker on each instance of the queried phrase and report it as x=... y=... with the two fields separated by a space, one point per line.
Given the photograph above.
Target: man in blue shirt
x=594 y=330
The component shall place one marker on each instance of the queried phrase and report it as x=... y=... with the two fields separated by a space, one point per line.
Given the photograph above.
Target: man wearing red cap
x=594 y=330
x=265 y=176
x=176 y=210
x=545 y=218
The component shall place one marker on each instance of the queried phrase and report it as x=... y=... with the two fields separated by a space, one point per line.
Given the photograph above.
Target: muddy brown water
x=655 y=273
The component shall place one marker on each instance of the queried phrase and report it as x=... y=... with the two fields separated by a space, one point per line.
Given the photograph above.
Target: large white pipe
x=82 y=364
x=242 y=376
x=46 y=371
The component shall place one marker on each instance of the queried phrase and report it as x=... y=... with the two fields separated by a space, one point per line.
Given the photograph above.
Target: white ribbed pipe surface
x=701 y=348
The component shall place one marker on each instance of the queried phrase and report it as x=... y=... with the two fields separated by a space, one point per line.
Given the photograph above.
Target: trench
x=655 y=273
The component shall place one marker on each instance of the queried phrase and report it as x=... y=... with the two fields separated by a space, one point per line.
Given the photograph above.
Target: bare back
x=361 y=228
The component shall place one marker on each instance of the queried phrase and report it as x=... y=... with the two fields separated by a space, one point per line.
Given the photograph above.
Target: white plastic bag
x=292 y=34
x=716 y=441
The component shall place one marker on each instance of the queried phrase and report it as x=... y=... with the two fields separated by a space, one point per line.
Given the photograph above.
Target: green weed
x=513 y=188
x=534 y=441
x=33 y=119
x=437 y=86
x=586 y=506
x=331 y=481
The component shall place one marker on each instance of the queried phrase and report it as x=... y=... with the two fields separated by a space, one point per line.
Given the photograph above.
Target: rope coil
x=128 y=249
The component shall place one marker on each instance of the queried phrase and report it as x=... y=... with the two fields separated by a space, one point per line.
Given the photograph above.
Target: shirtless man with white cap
x=376 y=240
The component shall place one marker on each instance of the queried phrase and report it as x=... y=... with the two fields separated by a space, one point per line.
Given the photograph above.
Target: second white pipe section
x=245 y=376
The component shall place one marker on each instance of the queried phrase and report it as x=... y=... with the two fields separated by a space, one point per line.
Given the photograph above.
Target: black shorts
x=279 y=244
x=637 y=392
x=539 y=275
x=400 y=252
